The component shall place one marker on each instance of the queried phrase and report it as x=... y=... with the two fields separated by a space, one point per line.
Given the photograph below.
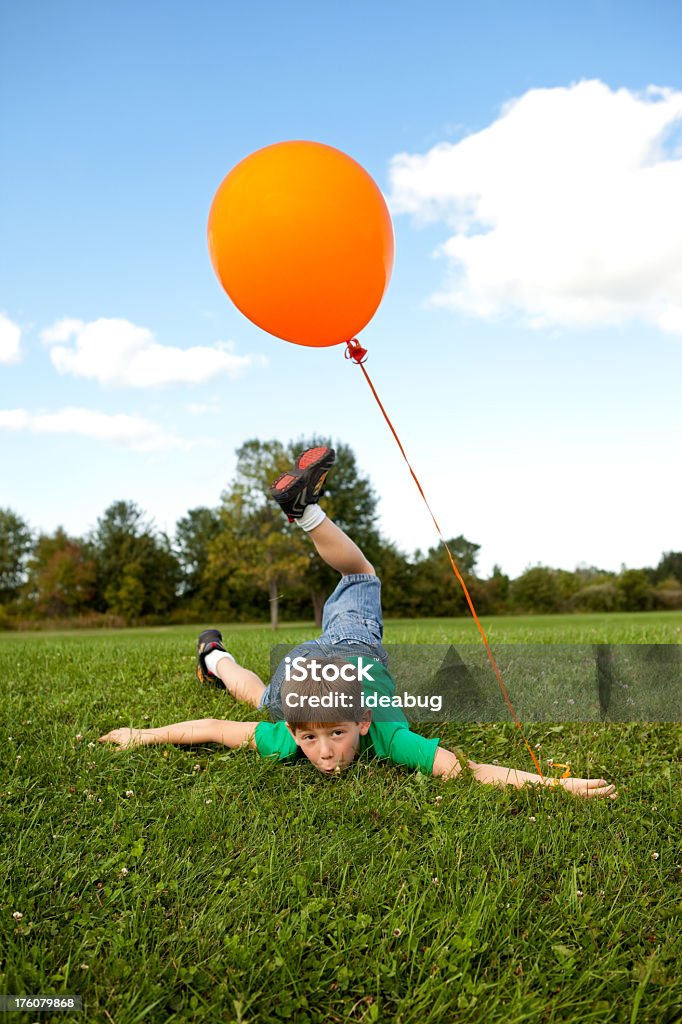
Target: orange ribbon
x=359 y=355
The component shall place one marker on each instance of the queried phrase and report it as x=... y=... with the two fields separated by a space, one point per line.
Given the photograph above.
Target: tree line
x=242 y=562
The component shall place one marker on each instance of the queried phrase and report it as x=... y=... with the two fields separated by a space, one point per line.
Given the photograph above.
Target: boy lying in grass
x=323 y=714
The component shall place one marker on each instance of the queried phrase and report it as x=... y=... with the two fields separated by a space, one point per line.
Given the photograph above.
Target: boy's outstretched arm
x=446 y=765
x=201 y=730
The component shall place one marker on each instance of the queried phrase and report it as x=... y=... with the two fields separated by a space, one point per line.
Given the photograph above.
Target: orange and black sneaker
x=302 y=485
x=209 y=640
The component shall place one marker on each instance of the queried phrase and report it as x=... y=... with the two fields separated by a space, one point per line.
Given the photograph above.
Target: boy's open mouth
x=335 y=769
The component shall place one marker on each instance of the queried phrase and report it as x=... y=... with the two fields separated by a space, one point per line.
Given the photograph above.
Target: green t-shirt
x=389 y=740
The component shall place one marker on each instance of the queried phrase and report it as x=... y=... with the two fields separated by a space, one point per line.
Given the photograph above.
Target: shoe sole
x=308 y=460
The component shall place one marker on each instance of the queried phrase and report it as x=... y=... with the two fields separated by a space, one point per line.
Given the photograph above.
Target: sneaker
x=209 y=640
x=303 y=484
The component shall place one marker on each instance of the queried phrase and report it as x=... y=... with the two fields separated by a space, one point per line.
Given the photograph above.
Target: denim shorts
x=351 y=625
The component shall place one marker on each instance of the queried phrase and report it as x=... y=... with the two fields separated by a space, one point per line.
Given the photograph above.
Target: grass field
x=169 y=884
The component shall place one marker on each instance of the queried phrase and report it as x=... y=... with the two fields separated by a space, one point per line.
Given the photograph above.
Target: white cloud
x=10 y=337
x=567 y=208
x=129 y=431
x=119 y=353
x=61 y=330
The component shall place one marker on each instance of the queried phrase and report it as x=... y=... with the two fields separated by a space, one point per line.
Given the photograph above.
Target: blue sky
x=533 y=176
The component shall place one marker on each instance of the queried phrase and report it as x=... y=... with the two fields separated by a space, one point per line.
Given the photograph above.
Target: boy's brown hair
x=342 y=696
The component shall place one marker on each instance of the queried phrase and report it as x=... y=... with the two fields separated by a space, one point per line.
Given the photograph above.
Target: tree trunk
x=274 y=602
x=317 y=597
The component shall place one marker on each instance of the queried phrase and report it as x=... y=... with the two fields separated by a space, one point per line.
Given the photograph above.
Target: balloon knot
x=356 y=352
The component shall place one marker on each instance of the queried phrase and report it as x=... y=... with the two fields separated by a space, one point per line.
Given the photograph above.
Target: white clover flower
x=655 y=856
x=123 y=871
x=91 y=744
x=532 y=817
x=17 y=915
x=209 y=801
x=84 y=967
x=579 y=893
x=435 y=881
x=130 y=792
x=79 y=736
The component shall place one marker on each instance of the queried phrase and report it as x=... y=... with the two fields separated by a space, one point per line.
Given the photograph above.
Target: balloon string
x=359 y=355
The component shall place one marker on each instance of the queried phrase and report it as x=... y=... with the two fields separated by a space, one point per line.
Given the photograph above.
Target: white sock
x=211 y=660
x=312 y=517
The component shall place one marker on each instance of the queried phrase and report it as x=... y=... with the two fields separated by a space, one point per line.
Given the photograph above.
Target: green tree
x=495 y=592
x=137 y=572
x=435 y=590
x=594 y=590
x=597 y=597
x=15 y=546
x=635 y=590
x=669 y=565
x=668 y=593
x=125 y=595
x=537 y=590
x=193 y=536
x=396 y=573
x=568 y=583
x=61 y=575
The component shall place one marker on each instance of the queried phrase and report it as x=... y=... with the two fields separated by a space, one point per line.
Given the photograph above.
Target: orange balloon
x=301 y=240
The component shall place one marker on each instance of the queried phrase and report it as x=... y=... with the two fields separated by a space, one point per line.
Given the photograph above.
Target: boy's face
x=331 y=746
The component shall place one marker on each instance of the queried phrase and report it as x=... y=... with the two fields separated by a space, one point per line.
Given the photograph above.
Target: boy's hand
x=589 y=787
x=497 y=775
x=123 y=737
